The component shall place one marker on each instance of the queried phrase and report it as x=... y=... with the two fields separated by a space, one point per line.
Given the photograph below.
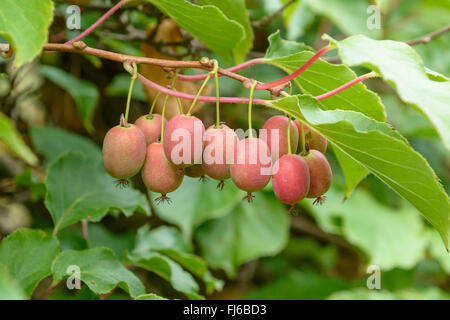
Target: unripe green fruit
x=183 y=140
x=251 y=168
x=150 y=127
x=291 y=180
x=158 y=174
x=319 y=172
x=280 y=124
x=218 y=154
x=314 y=140
x=123 y=151
x=196 y=171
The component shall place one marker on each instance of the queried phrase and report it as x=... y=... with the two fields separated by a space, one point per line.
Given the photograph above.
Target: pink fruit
x=183 y=140
x=220 y=144
x=150 y=126
x=319 y=172
x=291 y=180
x=314 y=140
x=158 y=174
x=123 y=151
x=252 y=166
x=277 y=139
x=196 y=171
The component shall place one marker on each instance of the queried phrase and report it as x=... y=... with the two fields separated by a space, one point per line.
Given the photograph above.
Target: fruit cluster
x=168 y=150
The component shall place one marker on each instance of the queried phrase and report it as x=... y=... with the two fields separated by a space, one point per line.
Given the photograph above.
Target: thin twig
x=427 y=38
x=266 y=20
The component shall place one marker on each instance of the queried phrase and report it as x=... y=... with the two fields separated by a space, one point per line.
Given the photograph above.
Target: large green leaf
x=352 y=171
x=207 y=23
x=260 y=228
x=53 y=142
x=322 y=77
x=78 y=188
x=85 y=93
x=24 y=24
x=390 y=238
x=402 y=67
x=11 y=137
x=28 y=255
x=190 y=207
x=165 y=268
x=382 y=150
x=10 y=288
x=169 y=242
x=100 y=270
x=235 y=10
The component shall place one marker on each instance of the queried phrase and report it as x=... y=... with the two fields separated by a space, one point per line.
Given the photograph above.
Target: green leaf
x=119 y=88
x=402 y=67
x=235 y=10
x=28 y=255
x=279 y=48
x=298 y=286
x=248 y=232
x=85 y=93
x=190 y=207
x=207 y=23
x=53 y=142
x=170 y=242
x=150 y=296
x=11 y=137
x=166 y=268
x=100 y=236
x=351 y=16
x=10 y=288
x=382 y=151
x=352 y=170
x=24 y=24
x=78 y=188
x=390 y=238
x=322 y=77
x=100 y=270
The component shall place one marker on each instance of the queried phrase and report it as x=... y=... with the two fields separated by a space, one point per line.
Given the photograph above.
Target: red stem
x=98 y=22
x=191 y=97
x=47 y=292
x=238 y=67
x=276 y=83
x=345 y=86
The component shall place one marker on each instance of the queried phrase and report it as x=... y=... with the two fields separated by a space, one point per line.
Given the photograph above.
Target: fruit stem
x=302 y=136
x=250 y=102
x=289 y=136
x=154 y=104
x=216 y=79
x=163 y=117
x=130 y=91
x=198 y=93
